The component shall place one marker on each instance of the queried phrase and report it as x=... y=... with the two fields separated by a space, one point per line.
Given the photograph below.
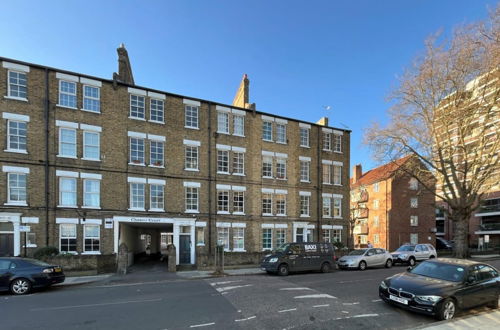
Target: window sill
x=136 y=209
x=337 y=217
x=30 y=246
x=327 y=150
x=267 y=140
x=281 y=215
x=91 y=253
x=267 y=177
x=136 y=118
x=281 y=142
x=282 y=179
x=225 y=133
x=91 y=159
x=91 y=111
x=197 y=128
x=68 y=206
x=223 y=212
x=304 y=216
x=267 y=215
x=67 y=107
x=15 y=204
x=238 y=213
x=192 y=212
x=69 y=252
x=16 y=98
x=239 y=250
x=327 y=217
x=156 y=210
x=70 y=157
x=238 y=174
x=308 y=147
x=225 y=173
x=157 y=122
x=137 y=164
x=338 y=152
x=156 y=166
x=16 y=151
x=327 y=184
x=191 y=169
x=304 y=181
x=200 y=244
x=338 y=185
x=239 y=135
x=91 y=207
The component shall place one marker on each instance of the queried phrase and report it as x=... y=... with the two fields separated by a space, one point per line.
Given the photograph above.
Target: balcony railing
x=360 y=229
x=489 y=208
x=489 y=226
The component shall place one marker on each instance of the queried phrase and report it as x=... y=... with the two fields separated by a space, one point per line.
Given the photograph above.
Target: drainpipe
x=319 y=186
x=46 y=164
x=386 y=220
x=210 y=179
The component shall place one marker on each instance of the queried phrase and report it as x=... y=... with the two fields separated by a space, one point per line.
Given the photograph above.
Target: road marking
x=201 y=325
x=345 y=312
x=365 y=315
x=319 y=295
x=225 y=282
x=227 y=288
x=318 y=306
x=376 y=300
x=95 y=305
x=350 y=304
x=246 y=319
x=287 y=310
x=293 y=289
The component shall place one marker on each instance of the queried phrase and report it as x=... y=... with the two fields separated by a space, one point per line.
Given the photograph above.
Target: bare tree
x=446 y=113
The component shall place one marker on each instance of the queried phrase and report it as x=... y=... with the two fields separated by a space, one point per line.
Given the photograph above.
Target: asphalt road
x=158 y=300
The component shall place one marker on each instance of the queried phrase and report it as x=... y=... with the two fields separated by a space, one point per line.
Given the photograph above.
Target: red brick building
x=390 y=208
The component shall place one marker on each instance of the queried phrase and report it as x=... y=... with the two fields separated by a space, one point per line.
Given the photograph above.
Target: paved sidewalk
x=227 y=272
x=75 y=280
x=484 y=321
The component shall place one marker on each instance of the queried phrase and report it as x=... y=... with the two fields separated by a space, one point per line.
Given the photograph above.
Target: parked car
x=306 y=256
x=411 y=253
x=363 y=258
x=440 y=287
x=21 y=275
x=442 y=244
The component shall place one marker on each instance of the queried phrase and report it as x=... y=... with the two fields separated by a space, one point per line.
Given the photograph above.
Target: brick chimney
x=242 y=97
x=323 y=121
x=357 y=172
x=124 y=74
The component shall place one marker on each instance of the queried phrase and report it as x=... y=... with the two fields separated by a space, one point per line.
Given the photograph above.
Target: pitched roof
x=380 y=173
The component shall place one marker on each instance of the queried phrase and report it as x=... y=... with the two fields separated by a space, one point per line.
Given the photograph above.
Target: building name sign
x=144 y=220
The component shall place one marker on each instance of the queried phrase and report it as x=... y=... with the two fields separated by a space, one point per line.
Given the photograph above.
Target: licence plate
x=57 y=269
x=399 y=300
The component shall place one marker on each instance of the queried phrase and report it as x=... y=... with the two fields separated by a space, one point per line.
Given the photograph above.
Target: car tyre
x=411 y=261
x=432 y=257
x=494 y=304
x=20 y=286
x=446 y=310
x=325 y=267
x=362 y=265
x=283 y=270
x=388 y=263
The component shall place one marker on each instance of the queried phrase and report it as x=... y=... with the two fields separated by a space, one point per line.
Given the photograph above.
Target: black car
x=442 y=244
x=291 y=257
x=21 y=275
x=439 y=287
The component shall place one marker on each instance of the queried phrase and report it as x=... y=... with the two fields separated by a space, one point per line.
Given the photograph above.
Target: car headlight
x=403 y=256
x=383 y=285
x=272 y=260
x=48 y=270
x=431 y=299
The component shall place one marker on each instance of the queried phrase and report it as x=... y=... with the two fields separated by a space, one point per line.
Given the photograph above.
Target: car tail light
x=48 y=270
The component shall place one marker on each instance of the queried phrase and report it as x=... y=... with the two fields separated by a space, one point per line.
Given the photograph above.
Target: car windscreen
x=442 y=271
x=35 y=262
x=282 y=248
x=357 y=252
x=406 y=248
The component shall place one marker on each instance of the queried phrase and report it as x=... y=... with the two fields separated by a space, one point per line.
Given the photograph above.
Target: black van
x=291 y=257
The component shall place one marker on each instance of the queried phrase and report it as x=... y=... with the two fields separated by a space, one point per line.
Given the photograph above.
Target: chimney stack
x=124 y=74
x=357 y=172
x=323 y=121
x=242 y=97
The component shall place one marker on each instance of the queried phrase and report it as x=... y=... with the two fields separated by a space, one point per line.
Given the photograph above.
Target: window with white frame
x=327 y=235
x=238 y=125
x=31 y=240
x=327 y=207
x=327 y=141
x=223 y=161
x=91 y=98
x=376 y=221
x=137 y=151
x=92 y=238
x=137 y=106
x=375 y=204
x=305 y=201
x=337 y=207
x=413 y=184
x=238 y=239
x=157 y=110
x=280 y=236
x=238 y=202
x=156 y=197
x=238 y=163
x=327 y=173
x=376 y=239
x=310 y=235
x=280 y=133
x=267 y=204
x=413 y=220
x=414 y=202
x=281 y=168
x=67 y=191
x=337 y=143
x=191 y=159
x=191 y=116
x=304 y=137
x=91 y=193
x=17 y=84
x=267 y=238
x=191 y=199
x=67 y=142
x=223 y=201
x=67 y=238
x=222 y=122
x=414 y=238
x=91 y=145
x=200 y=236
x=16 y=137
x=305 y=170
x=223 y=237
x=137 y=196
x=67 y=93
x=337 y=174
x=281 y=204
x=17 y=192
x=267 y=167
x=267 y=131
x=156 y=153
x=336 y=235
x=376 y=187
x=299 y=235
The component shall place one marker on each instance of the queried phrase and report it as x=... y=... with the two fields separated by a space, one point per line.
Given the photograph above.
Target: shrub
x=47 y=251
x=338 y=245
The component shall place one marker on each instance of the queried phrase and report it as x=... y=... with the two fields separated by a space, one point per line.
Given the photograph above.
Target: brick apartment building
x=389 y=208
x=91 y=163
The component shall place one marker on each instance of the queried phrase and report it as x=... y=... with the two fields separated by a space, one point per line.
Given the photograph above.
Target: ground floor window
x=91 y=238
x=200 y=236
x=310 y=235
x=299 y=235
x=363 y=239
x=280 y=236
x=238 y=239
x=376 y=239
x=67 y=237
x=223 y=237
x=336 y=235
x=327 y=235
x=267 y=239
x=414 y=238
x=30 y=240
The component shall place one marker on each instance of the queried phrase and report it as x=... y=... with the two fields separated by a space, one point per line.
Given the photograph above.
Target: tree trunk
x=461 y=236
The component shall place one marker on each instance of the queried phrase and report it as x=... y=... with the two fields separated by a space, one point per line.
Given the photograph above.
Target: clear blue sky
x=299 y=55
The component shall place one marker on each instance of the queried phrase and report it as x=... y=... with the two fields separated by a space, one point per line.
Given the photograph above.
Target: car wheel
x=283 y=270
x=388 y=263
x=20 y=286
x=432 y=257
x=446 y=310
x=411 y=262
x=494 y=304
x=362 y=265
x=325 y=267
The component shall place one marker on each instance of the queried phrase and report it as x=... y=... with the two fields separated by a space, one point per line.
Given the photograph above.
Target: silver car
x=363 y=258
x=411 y=253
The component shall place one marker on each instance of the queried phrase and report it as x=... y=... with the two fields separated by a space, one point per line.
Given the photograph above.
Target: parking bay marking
x=95 y=305
x=246 y=319
x=294 y=289
x=319 y=295
x=224 y=282
x=227 y=288
x=318 y=306
x=201 y=325
x=287 y=310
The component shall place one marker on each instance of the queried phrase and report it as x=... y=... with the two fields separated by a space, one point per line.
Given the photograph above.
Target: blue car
x=21 y=275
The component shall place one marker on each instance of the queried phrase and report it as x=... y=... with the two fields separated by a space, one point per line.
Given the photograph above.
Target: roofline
x=44 y=67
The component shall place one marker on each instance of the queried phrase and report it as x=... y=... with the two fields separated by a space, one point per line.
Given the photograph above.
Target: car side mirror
x=409 y=268
x=471 y=279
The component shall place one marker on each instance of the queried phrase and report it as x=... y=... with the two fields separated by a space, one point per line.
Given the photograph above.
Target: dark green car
x=298 y=257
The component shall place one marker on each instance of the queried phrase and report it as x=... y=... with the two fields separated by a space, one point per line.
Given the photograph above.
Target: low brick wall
x=84 y=263
x=205 y=261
